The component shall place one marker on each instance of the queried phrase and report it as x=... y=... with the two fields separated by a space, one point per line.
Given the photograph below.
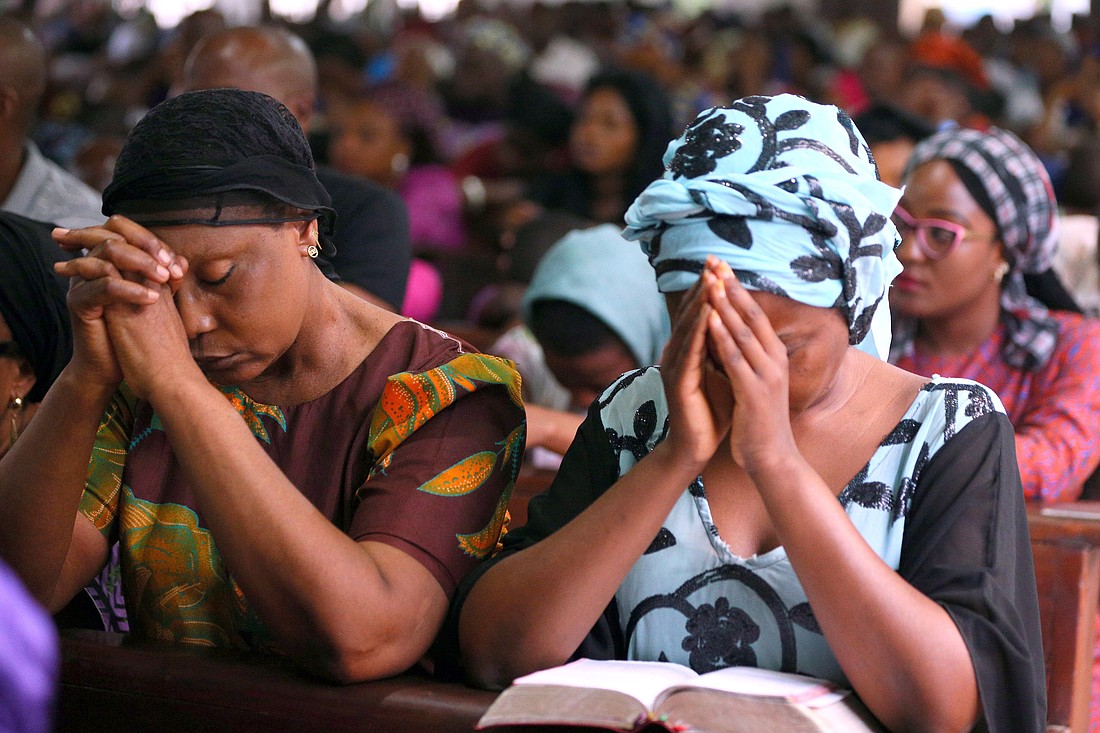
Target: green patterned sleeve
x=102 y=487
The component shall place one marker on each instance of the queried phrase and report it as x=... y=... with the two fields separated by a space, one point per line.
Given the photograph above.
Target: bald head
x=259 y=59
x=22 y=73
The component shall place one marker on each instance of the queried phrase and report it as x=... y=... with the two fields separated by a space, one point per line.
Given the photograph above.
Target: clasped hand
x=125 y=323
x=726 y=375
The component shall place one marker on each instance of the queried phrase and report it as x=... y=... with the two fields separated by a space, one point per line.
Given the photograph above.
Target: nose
x=194 y=313
x=908 y=250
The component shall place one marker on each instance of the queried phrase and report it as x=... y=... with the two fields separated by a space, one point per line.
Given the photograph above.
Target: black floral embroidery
x=904 y=432
x=664 y=540
x=645 y=423
x=792 y=119
x=733 y=229
x=803 y=615
x=704 y=143
x=678 y=601
x=720 y=636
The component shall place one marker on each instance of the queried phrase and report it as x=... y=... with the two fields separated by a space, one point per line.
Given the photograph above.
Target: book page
x=795 y=688
x=641 y=680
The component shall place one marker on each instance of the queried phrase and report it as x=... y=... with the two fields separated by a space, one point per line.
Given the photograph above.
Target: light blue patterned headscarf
x=787 y=192
x=596 y=269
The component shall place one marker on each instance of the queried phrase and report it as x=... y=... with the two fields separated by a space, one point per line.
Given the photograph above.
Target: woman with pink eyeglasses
x=977 y=215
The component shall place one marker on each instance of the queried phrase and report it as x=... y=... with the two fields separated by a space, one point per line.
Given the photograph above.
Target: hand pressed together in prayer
x=754 y=361
x=121 y=302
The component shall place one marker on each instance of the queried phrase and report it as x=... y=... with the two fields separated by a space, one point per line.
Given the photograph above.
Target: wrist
x=679 y=465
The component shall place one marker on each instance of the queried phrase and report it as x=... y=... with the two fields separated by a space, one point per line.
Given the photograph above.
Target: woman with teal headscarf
x=776 y=494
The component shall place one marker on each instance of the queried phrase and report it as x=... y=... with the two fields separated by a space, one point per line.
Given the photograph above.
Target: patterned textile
x=596 y=269
x=689 y=599
x=1017 y=190
x=787 y=192
x=418 y=448
x=1053 y=407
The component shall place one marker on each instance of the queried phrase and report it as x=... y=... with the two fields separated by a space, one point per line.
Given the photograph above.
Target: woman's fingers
x=134 y=250
x=99 y=283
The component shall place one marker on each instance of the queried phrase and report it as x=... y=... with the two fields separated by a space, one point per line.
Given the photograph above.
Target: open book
x=631 y=695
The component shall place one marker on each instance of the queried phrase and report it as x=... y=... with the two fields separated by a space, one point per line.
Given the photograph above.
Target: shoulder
x=634 y=408
x=945 y=406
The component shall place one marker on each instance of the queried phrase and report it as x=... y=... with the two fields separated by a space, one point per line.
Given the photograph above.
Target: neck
x=339 y=332
x=961 y=333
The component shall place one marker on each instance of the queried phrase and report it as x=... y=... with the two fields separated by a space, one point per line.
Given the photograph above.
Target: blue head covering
x=787 y=192
x=596 y=269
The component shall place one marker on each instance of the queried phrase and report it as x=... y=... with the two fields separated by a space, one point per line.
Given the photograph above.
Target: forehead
x=203 y=241
x=789 y=318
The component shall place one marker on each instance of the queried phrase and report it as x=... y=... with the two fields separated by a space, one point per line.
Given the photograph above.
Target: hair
x=566 y=329
x=23 y=66
x=883 y=123
x=652 y=113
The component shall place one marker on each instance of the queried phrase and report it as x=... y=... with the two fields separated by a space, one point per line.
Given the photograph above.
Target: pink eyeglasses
x=936 y=238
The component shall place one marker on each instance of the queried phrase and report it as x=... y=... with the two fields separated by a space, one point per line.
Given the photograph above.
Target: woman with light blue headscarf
x=776 y=494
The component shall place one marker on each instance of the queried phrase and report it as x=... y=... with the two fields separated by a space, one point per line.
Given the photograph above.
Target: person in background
x=227 y=406
x=892 y=133
x=594 y=313
x=615 y=145
x=35 y=335
x=977 y=215
x=371 y=239
x=387 y=135
x=30 y=184
x=772 y=495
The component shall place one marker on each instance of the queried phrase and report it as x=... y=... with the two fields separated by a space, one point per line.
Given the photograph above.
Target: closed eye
x=220 y=280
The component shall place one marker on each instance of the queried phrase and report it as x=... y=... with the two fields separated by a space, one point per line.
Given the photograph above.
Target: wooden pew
x=1065 y=544
x=109 y=684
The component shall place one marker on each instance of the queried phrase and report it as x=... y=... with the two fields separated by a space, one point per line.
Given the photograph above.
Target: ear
x=25 y=381
x=309 y=239
x=9 y=102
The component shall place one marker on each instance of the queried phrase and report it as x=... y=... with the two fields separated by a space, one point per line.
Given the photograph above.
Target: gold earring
x=1000 y=271
x=312 y=251
x=14 y=408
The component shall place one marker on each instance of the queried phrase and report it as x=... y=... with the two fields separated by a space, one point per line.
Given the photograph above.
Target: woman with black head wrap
x=35 y=336
x=227 y=406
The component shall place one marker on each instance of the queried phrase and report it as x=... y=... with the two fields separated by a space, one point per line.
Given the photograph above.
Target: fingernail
x=162 y=272
x=60 y=230
x=177 y=271
x=164 y=257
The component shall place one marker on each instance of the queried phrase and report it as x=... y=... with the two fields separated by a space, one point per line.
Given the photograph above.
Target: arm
x=553 y=429
x=966 y=546
x=53 y=548
x=1058 y=435
x=534 y=608
x=900 y=649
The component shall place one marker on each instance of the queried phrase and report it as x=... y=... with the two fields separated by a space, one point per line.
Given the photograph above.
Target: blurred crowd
x=487 y=119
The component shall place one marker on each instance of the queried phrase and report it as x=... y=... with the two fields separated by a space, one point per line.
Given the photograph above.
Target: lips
x=907 y=284
x=216 y=363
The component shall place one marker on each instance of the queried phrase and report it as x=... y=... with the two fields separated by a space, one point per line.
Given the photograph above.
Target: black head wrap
x=32 y=298
x=206 y=145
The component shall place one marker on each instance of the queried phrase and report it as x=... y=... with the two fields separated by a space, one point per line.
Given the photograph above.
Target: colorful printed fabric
x=787 y=192
x=418 y=448
x=1053 y=408
x=1021 y=201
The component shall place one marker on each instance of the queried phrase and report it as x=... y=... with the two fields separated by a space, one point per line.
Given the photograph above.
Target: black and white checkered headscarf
x=1009 y=182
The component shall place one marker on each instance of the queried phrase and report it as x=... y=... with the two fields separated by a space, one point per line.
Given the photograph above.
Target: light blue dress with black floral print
x=689 y=599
